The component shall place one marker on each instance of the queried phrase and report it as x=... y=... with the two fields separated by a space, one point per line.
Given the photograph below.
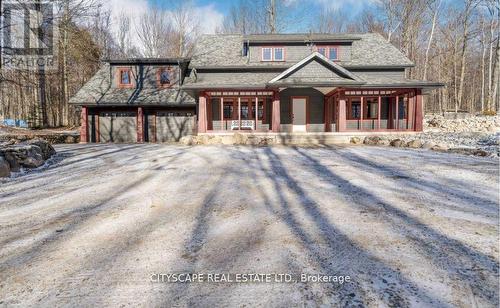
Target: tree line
x=454 y=42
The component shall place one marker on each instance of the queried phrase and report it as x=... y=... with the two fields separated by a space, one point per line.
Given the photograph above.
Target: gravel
x=411 y=227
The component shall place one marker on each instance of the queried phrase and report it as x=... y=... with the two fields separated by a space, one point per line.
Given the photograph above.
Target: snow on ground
x=410 y=227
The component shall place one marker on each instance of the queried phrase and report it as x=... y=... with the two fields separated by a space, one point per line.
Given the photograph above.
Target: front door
x=299 y=114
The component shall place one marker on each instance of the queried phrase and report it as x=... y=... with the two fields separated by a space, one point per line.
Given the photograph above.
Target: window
x=260 y=114
x=125 y=77
x=403 y=110
x=331 y=52
x=279 y=54
x=371 y=111
x=322 y=50
x=273 y=54
x=164 y=76
x=244 y=111
x=355 y=110
x=228 y=111
x=245 y=49
x=267 y=54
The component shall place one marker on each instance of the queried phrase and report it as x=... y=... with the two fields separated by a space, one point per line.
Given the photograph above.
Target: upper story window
x=331 y=52
x=273 y=54
x=164 y=76
x=124 y=77
x=279 y=54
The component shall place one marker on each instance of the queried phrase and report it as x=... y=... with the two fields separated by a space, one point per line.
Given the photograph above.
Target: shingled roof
x=368 y=49
x=98 y=91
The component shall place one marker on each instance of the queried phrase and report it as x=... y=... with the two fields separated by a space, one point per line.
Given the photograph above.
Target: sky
x=211 y=12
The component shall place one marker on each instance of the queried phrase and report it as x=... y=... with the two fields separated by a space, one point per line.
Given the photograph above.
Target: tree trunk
x=429 y=44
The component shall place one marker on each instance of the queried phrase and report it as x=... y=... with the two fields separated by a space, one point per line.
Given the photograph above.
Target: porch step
x=304 y=139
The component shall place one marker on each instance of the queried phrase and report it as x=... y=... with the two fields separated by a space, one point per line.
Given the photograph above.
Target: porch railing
x=243 y=124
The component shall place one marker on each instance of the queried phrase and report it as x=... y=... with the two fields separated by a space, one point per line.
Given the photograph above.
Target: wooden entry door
x=299 y=114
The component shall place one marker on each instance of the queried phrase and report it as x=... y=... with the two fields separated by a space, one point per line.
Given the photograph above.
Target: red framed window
x=273 y=54
x=228 y=111
x=331 y=52
x=125 y=77
x=354 y=109
x=164 y=77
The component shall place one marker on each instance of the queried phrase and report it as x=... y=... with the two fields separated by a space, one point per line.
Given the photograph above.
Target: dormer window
x=322 y=50
x=331 y=52
x=124 y=77
x=164 y=77
x=267 y=54
x=279 y=54
x=273 y=54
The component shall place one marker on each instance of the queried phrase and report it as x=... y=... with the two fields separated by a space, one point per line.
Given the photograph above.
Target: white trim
x=319 y=56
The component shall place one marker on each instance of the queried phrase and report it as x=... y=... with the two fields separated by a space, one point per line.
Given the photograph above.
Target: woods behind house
x=454 y=42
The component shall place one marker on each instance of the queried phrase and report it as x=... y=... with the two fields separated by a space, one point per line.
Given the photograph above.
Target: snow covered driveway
x=96 y=228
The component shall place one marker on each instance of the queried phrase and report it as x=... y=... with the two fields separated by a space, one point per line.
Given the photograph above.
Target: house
x=272 y=83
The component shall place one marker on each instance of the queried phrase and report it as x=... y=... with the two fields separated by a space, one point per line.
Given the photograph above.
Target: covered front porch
x=310 y=110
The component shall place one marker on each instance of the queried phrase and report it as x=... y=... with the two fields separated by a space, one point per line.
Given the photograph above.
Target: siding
x=147 y=74
x=315 y=104
x=295 y=53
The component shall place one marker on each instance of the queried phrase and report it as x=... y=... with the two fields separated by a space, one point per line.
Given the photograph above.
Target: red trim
x=119 y=77
x=84 y=135
x=158 y=76
x=140 y=124
x=272 y=53
x=328 y=50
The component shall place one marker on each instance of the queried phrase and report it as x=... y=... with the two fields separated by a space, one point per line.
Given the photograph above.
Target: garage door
x=171 y=126
x=117 y=127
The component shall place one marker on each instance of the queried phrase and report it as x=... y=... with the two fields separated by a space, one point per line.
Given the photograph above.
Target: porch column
x=140 y=125
x=361 y=115
x=342 y=113
x=97 y=133
x=327 y=113
x=410 y=123
x=84 y=137
x=222 y=113
x=257 y=111
x=378 y=111
x=397 y=112
x=153 y=130
x=202 y=114
x=419 y=111
x=239 y=113
x=276 y=113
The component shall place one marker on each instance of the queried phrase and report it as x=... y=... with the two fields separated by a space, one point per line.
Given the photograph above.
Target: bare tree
x=331 y=21
x=186 y=28
x=123 y=34
x=435 y=9
x=154 y=32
